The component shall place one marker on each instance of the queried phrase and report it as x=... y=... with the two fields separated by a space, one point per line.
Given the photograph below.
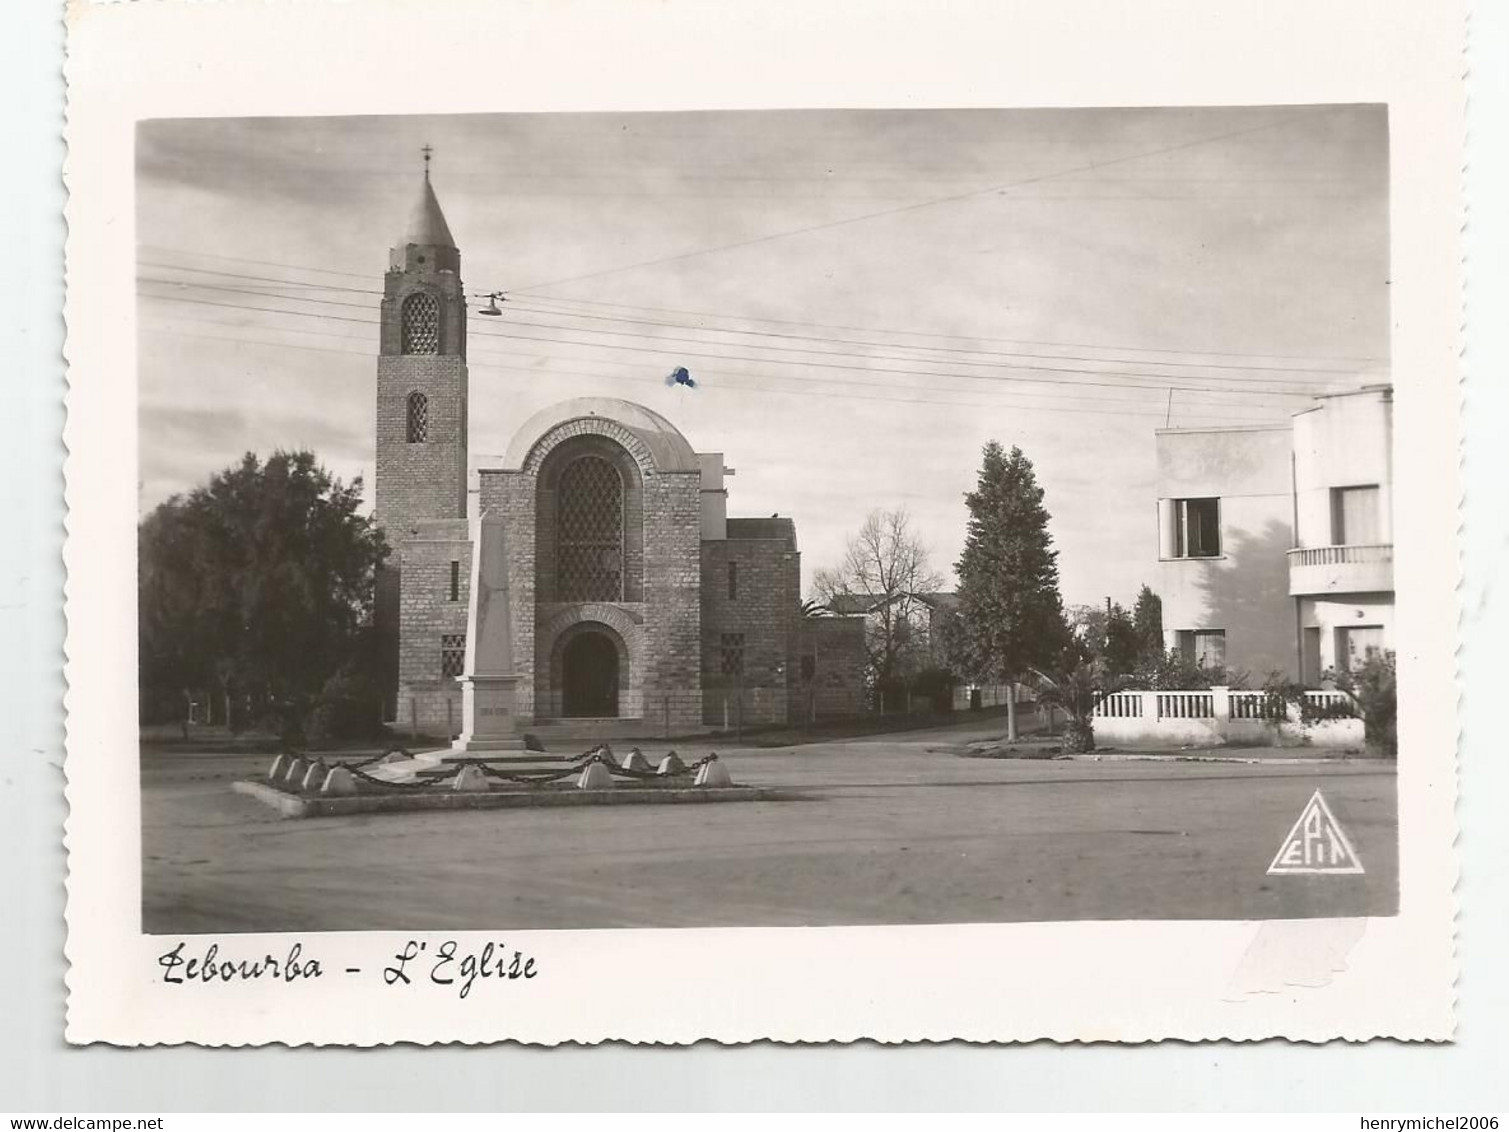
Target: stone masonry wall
x=765 y=611
x=429 y=702
x=510 y=495
x=673 y=611
x=428 y=480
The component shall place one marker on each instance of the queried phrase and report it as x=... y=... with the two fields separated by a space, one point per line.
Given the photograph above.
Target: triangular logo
x=1316 y=844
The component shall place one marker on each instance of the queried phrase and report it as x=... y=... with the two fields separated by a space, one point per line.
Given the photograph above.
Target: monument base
x=488 y=719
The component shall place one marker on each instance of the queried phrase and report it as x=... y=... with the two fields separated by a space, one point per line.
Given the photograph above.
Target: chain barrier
x=353 y=764
x=601 y=754
x=539 y=779
x=627 y=772
x=357 y=772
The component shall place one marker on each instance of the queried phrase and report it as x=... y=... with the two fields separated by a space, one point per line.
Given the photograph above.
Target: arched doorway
x=589 y=676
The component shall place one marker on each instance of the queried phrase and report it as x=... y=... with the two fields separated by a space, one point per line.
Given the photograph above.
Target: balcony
x=1315 y=571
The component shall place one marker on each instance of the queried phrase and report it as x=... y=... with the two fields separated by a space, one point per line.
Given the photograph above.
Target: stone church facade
x=633 y=595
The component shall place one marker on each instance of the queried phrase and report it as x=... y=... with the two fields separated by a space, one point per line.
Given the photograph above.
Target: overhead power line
x=1293 y=387
x=827 y=340
x=805 y=383
x=728 y=316
x=805 y=390
x=1124 y=349
x=1161 y=381
x=949 y=349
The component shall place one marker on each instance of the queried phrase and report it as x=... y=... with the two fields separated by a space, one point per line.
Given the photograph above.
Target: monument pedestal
x=488 y=715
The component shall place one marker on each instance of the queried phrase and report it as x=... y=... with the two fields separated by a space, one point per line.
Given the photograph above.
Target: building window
x=733 y=654
x=1205 y=647
x=1357 y=644
x=455 y=580
x=1197 y=528
x=809 y=667
x=418 y=418
x=733 y=581
x=421 y=324
x=590 y=531
x=1355 y=516
x=452 y=654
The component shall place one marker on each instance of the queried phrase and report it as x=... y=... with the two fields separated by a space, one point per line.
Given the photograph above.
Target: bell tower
x=421 y=459
x=421 y=375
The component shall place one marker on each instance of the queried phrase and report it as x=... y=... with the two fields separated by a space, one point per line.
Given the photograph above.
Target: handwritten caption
x=413 y=964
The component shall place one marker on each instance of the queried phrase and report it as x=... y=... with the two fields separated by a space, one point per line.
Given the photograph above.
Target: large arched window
x=590 y=531
x=418 y=418
x=421 y=324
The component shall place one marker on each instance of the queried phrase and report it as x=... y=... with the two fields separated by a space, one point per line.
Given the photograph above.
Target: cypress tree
x=1011 y=615
x=1147 y=622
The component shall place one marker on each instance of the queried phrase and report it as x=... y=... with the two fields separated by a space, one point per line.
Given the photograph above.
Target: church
x=633 y=595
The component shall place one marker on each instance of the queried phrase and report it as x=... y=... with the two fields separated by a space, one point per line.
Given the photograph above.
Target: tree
x=1077 y=686
x=1011 y=615
x=1104 y=634
x=883 y=572
x=259 y=584
x=1147 y=626
x=1122 y=652
x=1087 y=624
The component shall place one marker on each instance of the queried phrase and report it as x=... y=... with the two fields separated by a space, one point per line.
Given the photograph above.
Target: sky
x=864 y=298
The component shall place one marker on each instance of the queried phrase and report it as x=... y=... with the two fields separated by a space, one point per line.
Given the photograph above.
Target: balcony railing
x=1337 y=555
x=1360 y=568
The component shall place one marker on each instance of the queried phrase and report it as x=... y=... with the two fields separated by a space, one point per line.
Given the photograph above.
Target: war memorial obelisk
x=489 y=684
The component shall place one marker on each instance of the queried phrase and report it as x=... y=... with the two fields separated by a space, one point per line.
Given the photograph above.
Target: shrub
x=1372 y=687
x=1076 y=689
x=936 y=685
x=1175 y=672
x=1286 y=694
x=348 y=707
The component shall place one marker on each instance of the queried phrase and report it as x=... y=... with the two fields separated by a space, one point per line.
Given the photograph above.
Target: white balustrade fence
x=1221 y=716
x=1352 y=555
x=1186 y=705
x=1120 y=705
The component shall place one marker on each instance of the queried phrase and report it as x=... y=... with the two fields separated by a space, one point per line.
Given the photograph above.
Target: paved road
x=885 y=830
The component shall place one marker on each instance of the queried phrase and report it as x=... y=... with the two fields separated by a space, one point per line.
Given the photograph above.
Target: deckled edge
x=73 y=11
x=1455 y=863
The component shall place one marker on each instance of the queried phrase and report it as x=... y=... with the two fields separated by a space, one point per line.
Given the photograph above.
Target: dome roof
x=426 y=222
x=667 y=446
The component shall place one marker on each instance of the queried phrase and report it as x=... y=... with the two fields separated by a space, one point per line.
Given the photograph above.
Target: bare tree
x=883 y=572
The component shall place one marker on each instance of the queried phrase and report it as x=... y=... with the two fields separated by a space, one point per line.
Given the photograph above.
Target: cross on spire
x=426 y=149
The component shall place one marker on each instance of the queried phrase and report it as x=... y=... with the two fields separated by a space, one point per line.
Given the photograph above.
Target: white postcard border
x=1125 y=981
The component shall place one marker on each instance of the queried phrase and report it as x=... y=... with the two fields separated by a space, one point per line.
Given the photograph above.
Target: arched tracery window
x=418 y=418
x=590 y=531
x=421 y=324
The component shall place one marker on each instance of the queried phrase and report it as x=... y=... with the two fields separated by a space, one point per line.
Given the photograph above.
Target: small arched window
x=418 y=418
x=421 y=324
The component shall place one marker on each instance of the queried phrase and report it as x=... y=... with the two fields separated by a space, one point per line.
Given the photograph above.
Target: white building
x=1275 y=543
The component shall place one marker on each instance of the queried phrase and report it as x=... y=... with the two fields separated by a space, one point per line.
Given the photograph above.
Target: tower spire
x=427 y=224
